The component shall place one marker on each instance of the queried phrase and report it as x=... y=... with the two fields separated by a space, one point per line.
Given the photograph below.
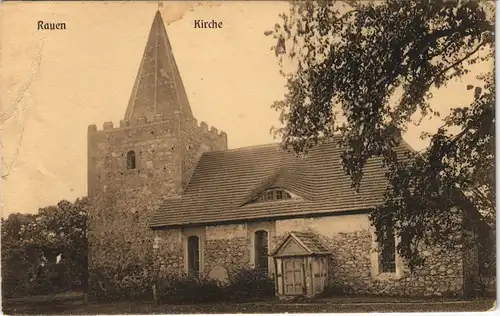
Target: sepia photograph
x=254 y=157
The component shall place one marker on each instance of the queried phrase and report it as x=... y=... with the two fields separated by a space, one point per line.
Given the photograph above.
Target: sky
x=56 y=83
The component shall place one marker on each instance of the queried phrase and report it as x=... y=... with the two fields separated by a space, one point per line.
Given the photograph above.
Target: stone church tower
x=133 y=166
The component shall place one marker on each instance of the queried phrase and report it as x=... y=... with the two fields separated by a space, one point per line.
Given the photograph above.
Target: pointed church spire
x=158 y=87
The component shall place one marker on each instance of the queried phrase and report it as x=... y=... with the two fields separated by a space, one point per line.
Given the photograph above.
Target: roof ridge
x=277 y=144
x=328 y=141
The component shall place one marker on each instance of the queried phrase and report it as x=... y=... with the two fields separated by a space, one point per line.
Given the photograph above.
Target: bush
x=335 y=290
x=53 y=278
x=22 y=279
x=15 y=272
x=244 y=284
x=251 y=283
x=132 y=283
x=188 y=289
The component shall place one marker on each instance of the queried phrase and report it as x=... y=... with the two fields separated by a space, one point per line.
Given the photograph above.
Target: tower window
x=131 y=160
x=261 y=250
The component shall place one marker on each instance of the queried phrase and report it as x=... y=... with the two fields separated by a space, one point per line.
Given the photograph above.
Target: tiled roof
x=224 y=181
x=311 y=241
x=308 y=241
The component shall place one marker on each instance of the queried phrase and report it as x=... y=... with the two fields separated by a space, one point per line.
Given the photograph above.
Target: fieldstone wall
x=230 y=253
x=353 y=265
x=168 y=252
x=226 y=246
x=351 y=270
x=197 y=140
x=123 y=201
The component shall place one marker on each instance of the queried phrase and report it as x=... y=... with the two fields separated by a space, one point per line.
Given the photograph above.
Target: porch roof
x=305 y=244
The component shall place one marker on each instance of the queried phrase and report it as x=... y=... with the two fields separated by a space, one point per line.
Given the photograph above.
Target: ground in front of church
x=73 y=303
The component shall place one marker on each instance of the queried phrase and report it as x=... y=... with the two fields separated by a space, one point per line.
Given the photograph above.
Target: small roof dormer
x=278 y=186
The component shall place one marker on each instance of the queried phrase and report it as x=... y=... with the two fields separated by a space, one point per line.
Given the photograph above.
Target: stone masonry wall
x=353 y=265
x=123 y=201
x=168 y=252
x=226 y=246
x=351 y=269
x=229 y=247
x=197 y=140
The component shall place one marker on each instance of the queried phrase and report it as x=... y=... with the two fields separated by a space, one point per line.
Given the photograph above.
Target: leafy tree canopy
x=364 y=70
x=30 y=241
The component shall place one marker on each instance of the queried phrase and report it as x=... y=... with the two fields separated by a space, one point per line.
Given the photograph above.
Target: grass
x=74 y=304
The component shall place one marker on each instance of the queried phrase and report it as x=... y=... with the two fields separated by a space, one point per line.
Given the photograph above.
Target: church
x=168 y=197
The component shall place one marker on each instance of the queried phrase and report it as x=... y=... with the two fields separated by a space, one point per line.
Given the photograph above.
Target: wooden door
x=317 y=270
x=294 y=276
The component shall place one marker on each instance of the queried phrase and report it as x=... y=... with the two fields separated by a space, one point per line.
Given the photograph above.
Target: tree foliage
x=46 y=251
x=365 y=70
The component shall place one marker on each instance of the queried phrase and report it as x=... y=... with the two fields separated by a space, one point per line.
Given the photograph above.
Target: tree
x=46 y=251
x=353 y=59
x=15 y=262
x=62 y=231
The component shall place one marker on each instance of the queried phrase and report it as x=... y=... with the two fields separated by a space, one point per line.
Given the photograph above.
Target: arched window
x=273 y=195
x=193 y=245
x=131 y=160
x=388 y=249
x=261 y=250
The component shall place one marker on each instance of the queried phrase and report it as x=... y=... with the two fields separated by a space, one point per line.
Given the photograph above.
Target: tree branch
x=345 y=15
x=480 y=196
x=458 y=62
